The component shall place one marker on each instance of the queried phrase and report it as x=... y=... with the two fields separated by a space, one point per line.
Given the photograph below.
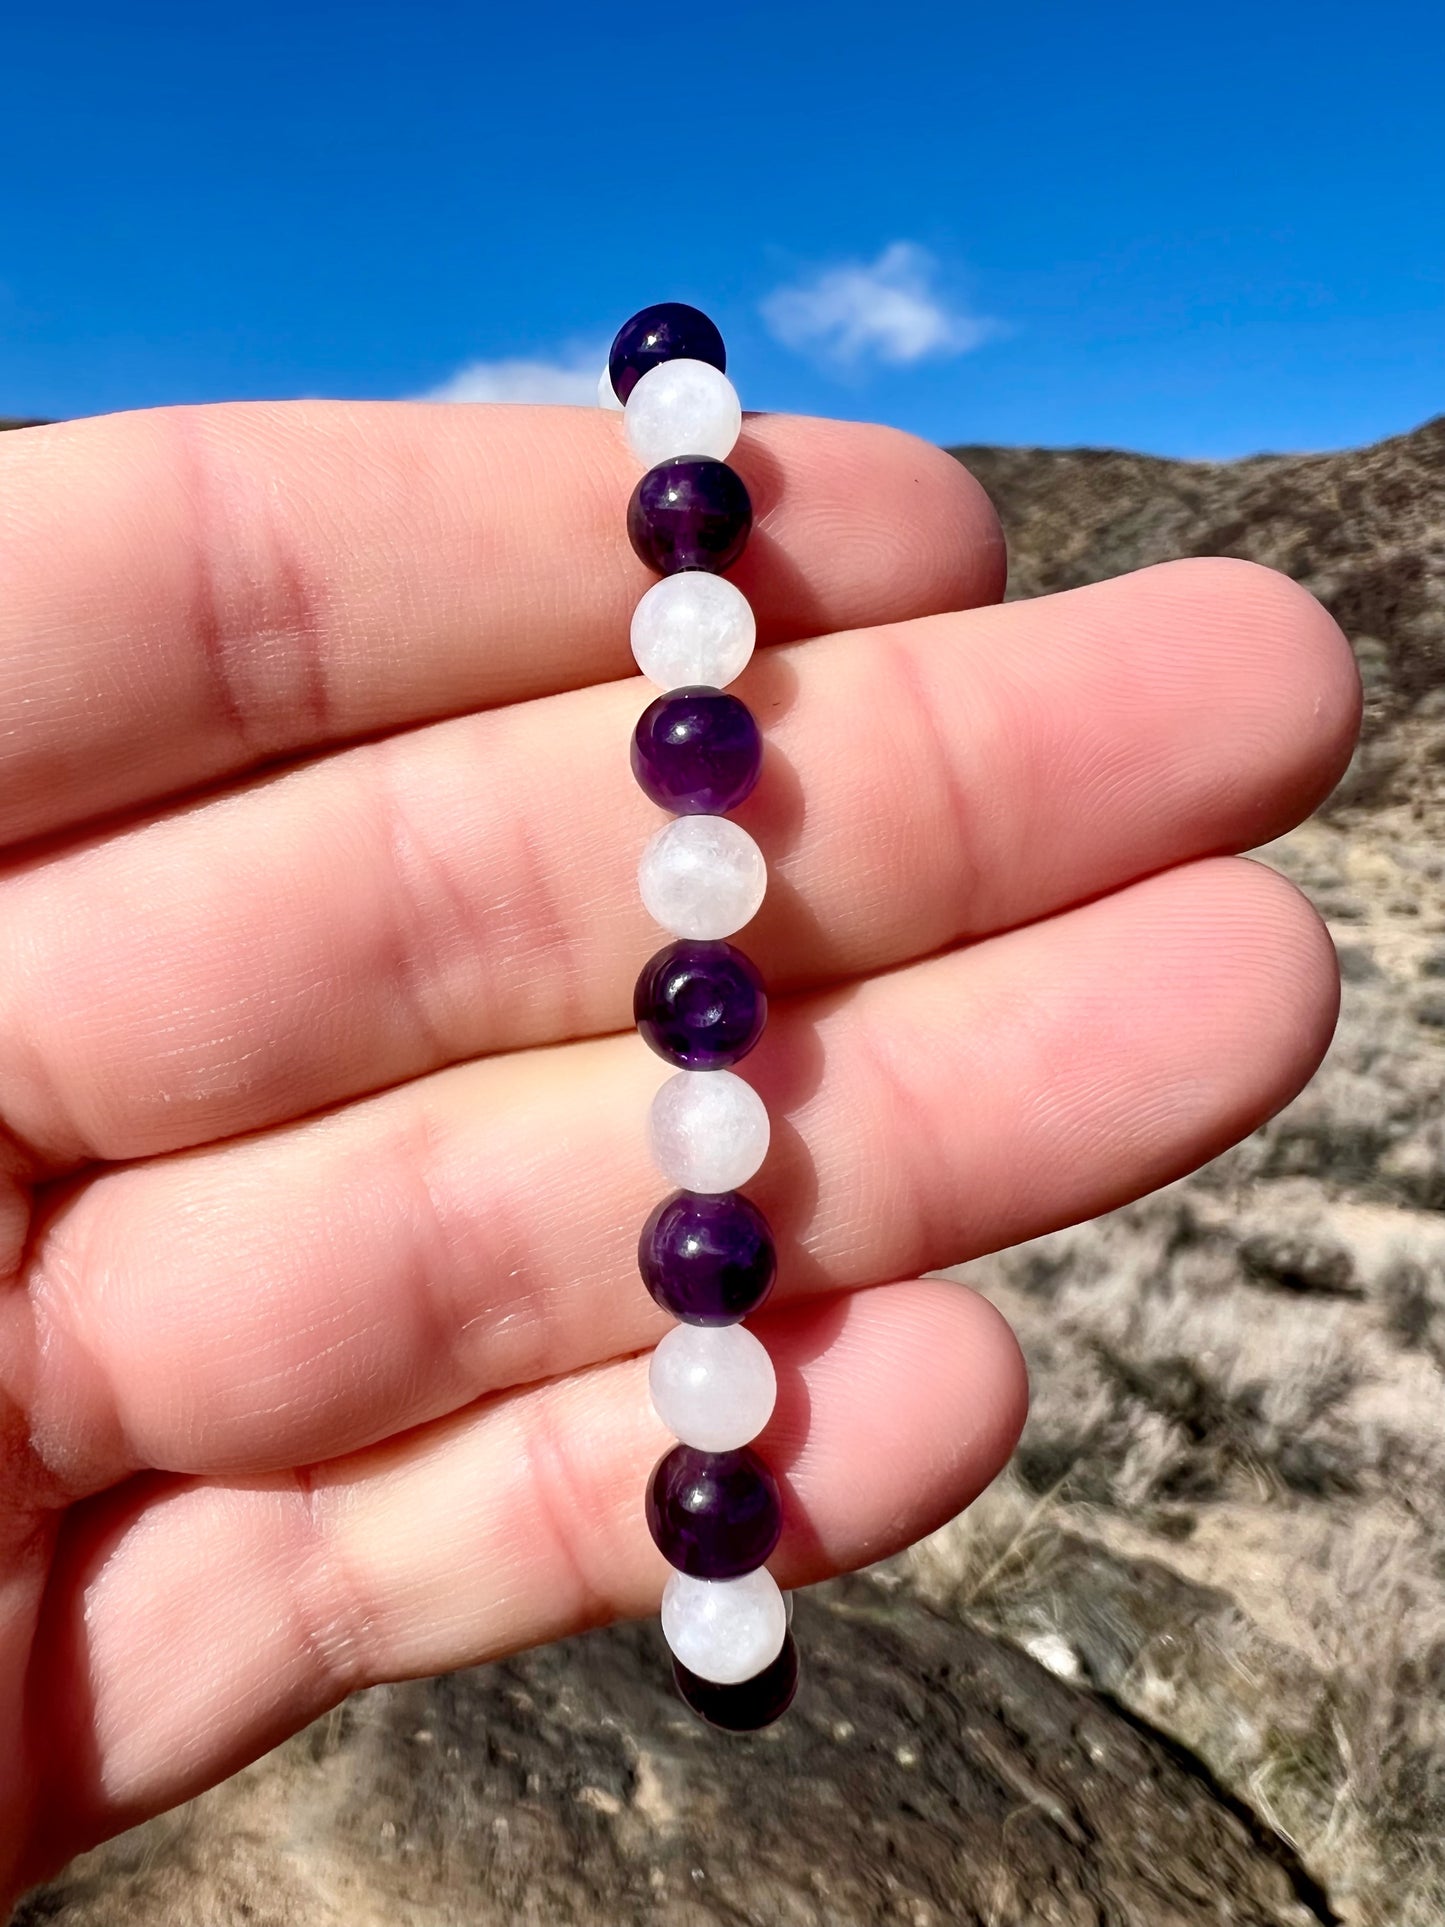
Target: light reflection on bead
x=693 y=628
x=702 y=876
x=693 y=513
x=682 y=408
x=701 y=1006
x=715 y=1515
x=707 y=1130
x=697 y=751
x=713 y=1386
x=667 y=331
x=708 y=1258
x=725 y=1630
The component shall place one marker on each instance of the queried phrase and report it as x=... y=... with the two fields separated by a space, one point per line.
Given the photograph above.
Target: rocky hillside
x=1184 y=1664
x=1364 y=530
x=1227 y=1512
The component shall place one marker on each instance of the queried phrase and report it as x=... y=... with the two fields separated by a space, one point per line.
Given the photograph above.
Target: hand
x=324 y=1153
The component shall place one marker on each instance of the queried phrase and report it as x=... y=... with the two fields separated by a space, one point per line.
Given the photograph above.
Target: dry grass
x=1228 y=1510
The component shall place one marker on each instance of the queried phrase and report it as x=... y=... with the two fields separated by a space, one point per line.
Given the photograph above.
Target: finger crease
x=253 y=616
x=564 y=1511
x=335 y=1624
x=905 y=678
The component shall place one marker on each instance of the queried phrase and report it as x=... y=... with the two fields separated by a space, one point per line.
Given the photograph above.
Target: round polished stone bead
x=707 y=1257
x=702 y=1006
x=667 y=331
x=691 y=629
x=682 y=408
x=697 y=751
x=724 y=1630
x=689 y=514
x=713 y=1386
x=715 y=1515
x=708 y=1130
x=752 y=1703
x=702 y=876
x=606 y=393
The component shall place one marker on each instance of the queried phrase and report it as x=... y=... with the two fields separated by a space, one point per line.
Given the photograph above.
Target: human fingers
x=191 y=1625
x=187 y=592
x=309 y=1290
x=471 y=886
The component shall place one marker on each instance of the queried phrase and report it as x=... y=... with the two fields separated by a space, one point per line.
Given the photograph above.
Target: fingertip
x=860 y=524
x=897 y=1406
x=1304 y=980
x=1284 y=662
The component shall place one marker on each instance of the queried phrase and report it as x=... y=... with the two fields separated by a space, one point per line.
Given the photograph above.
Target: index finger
x=187 y=592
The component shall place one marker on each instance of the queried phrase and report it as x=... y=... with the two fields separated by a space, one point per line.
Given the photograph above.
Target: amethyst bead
x=715 y=1515
x=752 y=1702
x=699 y=1004
x=693 y=513
x=707 y=1257
x=697 y=751
x=667 y=331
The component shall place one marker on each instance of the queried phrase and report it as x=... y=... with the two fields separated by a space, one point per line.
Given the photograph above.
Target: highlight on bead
x=690 y=512
x=707 y=1257
x=706 y=1253
x=693 y=629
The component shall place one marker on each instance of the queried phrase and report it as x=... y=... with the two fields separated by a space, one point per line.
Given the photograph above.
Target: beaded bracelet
x=706 y=1253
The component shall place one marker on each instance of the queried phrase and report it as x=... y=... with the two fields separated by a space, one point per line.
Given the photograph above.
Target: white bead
x=724 y=1630
x=693 y=628
x=606 y=393
x=712 y=1386
x=702 y=876
x=682 y=408
x=708 y=1130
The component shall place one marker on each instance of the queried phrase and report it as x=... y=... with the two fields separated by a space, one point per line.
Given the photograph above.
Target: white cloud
x=570 y=379
x=888 y=310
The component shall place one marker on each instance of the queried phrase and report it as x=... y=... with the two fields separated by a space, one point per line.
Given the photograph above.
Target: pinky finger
x=195 y=1623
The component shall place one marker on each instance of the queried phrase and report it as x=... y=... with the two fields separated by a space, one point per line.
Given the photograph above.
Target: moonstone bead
x=702 y=876
x=689 y=514
x=707 y=1258
x=748 y=1705
x=693 y=628
x=708 y=1130
x=682 y=408
x=697 y=751
x=712 y=1386
x=702 y=1006
x=667 y=331
x=715 y=1515
x=725 y=1630
x=606 y=393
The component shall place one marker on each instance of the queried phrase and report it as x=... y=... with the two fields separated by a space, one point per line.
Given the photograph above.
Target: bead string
x=706 y=1252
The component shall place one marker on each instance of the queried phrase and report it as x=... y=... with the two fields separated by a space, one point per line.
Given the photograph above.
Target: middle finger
x=470 y=887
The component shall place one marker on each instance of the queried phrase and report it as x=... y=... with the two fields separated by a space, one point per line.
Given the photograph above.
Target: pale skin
x=323 y=1346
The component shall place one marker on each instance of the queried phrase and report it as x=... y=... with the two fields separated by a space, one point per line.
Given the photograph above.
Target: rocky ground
x=1228 y=1512
x=1183 y=1664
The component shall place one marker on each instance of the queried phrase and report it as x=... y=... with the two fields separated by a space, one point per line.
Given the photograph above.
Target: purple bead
x=700 y=1004
x=668 y=331
x=714 y=1515
x=697 y=751
x=692 y=513
x=752 y=1702
x=707 y=1257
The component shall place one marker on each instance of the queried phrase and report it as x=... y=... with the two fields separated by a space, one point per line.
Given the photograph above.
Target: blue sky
x=1195 y=231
